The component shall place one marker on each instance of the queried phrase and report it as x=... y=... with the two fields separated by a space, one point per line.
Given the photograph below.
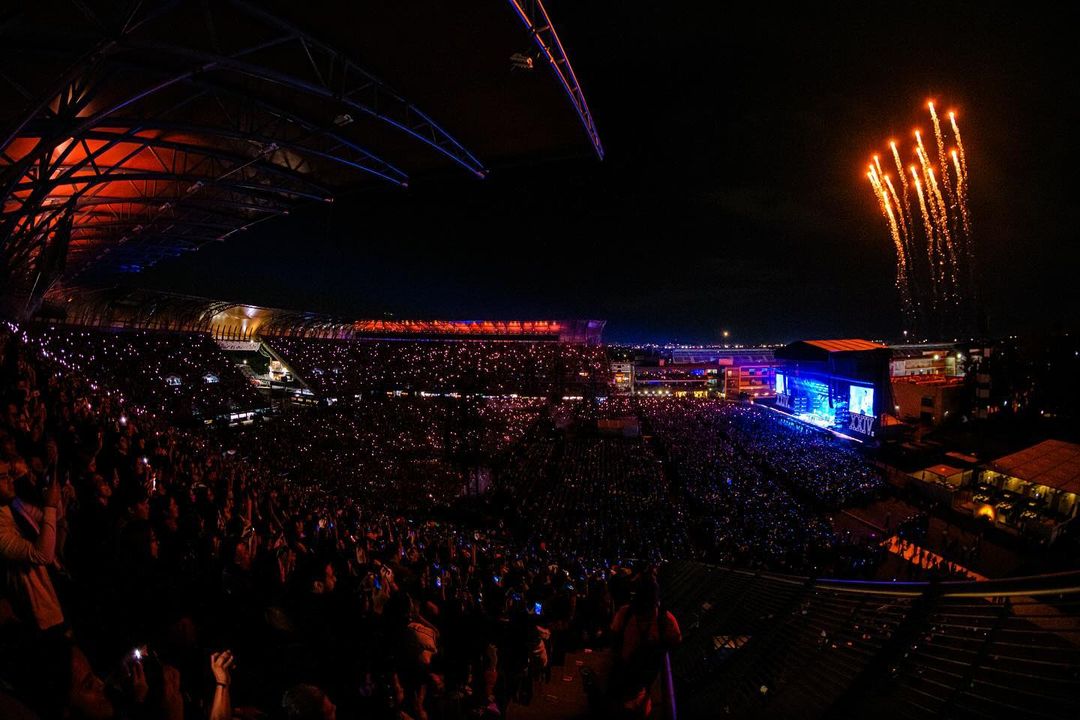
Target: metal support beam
x=384 y=103
x=535 y=17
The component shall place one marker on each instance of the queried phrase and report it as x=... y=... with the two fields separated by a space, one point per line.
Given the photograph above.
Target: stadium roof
x=1053 y=463
x=119 y=308
x=134 y=132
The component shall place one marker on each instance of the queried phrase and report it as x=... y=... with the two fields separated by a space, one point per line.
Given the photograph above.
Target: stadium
x=212 y=507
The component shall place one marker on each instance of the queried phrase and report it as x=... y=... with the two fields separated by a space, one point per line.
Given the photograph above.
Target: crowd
x=730 y=483
x=821 y=468
x=596 y=496
x=184 y=376
x=153 y=571
x=313 y=560
x=759 y=487
x=493 y=367
x=423 y=447
x=739 y=512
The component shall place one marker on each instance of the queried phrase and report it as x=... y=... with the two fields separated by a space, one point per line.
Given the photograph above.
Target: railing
x=667 y=688
x=849 y=648
x=1027 y=586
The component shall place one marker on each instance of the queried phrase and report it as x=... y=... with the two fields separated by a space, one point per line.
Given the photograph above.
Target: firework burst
x=935 y=292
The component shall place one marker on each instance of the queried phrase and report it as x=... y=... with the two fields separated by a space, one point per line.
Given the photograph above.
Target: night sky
x=732 y=195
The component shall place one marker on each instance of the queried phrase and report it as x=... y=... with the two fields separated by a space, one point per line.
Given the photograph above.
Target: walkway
x=925 y=558
x=564 y=697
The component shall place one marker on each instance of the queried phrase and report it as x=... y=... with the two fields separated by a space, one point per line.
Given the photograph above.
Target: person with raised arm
x=28 y=548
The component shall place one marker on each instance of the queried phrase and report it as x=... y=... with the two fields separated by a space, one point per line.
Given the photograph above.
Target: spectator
x=221 y=664
x=28 y=547
x=642 y=633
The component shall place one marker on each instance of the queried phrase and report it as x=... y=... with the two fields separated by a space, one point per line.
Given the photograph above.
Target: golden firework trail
x=920 y=149
x=904 y=247
x=938 y=205
x=960 y=160
x=940 y=246
x=943 y=159
x=927 y=171
x=904 y=204
x=896 y=204
x=903 y=180
x=920 y=154
x=887 y=199
x=928 y=228
x=886 y=202
x=948 y=262
x=959 y=142
x=961 y=194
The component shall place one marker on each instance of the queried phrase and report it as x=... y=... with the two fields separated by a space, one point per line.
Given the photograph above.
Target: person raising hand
x=221 y=664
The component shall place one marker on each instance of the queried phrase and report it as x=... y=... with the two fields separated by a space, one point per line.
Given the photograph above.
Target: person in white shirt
x=27 y=549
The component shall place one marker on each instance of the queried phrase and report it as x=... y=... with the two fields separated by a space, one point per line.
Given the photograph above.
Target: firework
x=943 y=159
x=920 y=150
x=928 y=228
x=959 y=142
x=961 y=193
x=960 y=160
x=896 y=204
x=947 y=260
x=887 y=203
x=940 y=184
x=903 y=181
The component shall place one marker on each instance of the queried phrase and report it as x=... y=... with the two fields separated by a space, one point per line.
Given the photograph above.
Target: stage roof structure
x=131 y=132
x=823 y=350
x=844 y=345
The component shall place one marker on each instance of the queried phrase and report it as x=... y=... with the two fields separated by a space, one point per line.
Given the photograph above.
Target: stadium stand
x=186 y=376
x=539 y=369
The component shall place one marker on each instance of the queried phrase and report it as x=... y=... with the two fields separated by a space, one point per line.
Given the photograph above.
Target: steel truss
x=144 y=147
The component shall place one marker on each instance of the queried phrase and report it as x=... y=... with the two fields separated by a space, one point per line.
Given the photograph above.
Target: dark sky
x=732 y=195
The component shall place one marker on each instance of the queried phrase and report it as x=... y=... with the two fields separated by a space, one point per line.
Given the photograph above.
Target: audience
x=185 y=376
x=493 y=367
x=344 y=555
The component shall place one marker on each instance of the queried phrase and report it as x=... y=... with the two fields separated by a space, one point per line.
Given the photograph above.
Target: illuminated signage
x=862 y=424
x=783 y=400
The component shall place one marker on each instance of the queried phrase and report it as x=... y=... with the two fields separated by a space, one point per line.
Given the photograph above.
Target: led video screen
x=861 y=400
